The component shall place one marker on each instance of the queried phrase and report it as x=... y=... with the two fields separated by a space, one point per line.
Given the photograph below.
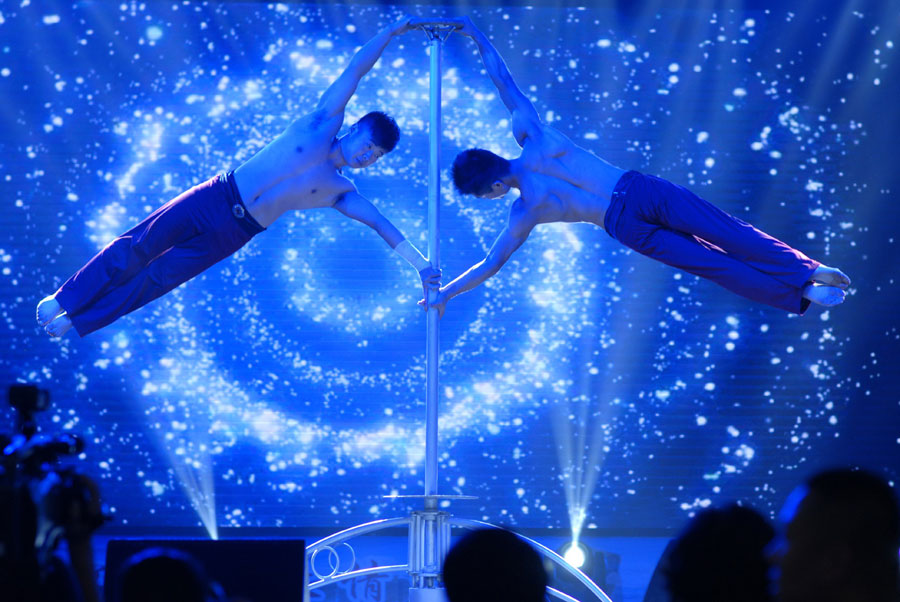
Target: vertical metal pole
x=432 y=339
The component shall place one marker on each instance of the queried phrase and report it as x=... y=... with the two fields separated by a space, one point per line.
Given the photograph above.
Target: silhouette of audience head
x=494 y=565
x=164 y=575
x=720 y=556
x=840 y=540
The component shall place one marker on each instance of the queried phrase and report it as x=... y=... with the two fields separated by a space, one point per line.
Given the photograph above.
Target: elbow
x=492 y=265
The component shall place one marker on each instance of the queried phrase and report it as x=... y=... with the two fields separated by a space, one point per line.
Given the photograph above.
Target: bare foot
x=48 y=309
x=58 y=326
x=831 y=276
x=828 y=296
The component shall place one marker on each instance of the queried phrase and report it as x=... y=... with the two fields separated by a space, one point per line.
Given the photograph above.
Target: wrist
x=407 y=251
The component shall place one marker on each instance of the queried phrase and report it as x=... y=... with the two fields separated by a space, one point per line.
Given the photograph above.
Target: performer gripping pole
x=437 y=32
x=300 y=169
x=562 y=182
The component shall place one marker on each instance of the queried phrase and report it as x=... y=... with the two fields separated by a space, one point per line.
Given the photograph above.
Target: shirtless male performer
x=300 y=169
x=561 y=182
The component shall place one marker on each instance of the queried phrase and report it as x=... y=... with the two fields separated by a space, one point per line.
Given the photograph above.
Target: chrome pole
x=432 y=340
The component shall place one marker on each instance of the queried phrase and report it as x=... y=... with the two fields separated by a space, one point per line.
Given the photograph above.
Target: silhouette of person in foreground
x=839 y=540
x=494 y=565
x=721 y=556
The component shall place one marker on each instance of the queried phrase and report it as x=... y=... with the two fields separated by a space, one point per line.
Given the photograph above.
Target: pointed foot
x=827 y=296
x=47 y=309
x=58 y=326
x=831 y=277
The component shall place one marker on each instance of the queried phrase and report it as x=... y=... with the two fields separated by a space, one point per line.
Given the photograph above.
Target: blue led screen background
x=285 y=386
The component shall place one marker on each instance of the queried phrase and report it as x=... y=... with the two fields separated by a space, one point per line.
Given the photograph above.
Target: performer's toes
x=48 y=309
x=831 y=276
x=828 y=296
x=58 y=326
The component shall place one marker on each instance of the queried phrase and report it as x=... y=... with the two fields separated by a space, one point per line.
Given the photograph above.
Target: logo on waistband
x=238 y=211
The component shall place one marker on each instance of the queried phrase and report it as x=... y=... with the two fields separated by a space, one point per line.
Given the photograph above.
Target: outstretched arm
x=335 y=98
x=511 y=238
x=526 y=121
x=355 y=206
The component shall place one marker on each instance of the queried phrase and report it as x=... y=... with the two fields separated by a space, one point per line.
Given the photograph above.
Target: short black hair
x=494 y=565
x=475 y=170
x=860 y=508
x=162 y=574
x=720 y=555
x=385 y=132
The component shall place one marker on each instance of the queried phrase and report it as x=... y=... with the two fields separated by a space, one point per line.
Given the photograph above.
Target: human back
x=582 y=181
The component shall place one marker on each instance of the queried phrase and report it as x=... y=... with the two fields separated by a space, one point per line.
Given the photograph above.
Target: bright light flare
x=575 y=553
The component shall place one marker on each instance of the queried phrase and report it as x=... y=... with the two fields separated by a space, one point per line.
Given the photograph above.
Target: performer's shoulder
x=522 y=217
x=341 y=184
x=521 y=208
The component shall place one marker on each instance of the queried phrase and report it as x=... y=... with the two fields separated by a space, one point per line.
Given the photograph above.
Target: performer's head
x=480 y=172
x=369 y=139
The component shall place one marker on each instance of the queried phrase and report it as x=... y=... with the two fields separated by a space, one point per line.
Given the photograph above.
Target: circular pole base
x=427 y=594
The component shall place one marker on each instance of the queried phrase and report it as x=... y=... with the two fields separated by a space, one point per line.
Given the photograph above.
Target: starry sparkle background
x=583 y=383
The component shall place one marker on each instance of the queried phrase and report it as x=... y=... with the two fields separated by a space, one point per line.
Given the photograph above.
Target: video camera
x=42 y=502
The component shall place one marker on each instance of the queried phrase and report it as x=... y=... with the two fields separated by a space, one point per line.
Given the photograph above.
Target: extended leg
x=171 y=224
x=680 y=209
x=690 y=254
x=175 y=266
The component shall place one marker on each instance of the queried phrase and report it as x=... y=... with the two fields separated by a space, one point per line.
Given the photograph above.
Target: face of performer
x=497 y=190
x=358 y=148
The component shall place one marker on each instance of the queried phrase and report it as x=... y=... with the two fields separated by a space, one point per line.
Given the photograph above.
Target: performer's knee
x=161 y=276
x=124 y=257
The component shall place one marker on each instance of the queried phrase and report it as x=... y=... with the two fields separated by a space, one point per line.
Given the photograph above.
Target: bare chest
x=314 y=188
x=299 y=150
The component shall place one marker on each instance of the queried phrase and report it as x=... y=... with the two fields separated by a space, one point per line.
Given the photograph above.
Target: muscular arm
x=526 y=121
x=511 y=238
x=335 y=98
x=355 y=206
